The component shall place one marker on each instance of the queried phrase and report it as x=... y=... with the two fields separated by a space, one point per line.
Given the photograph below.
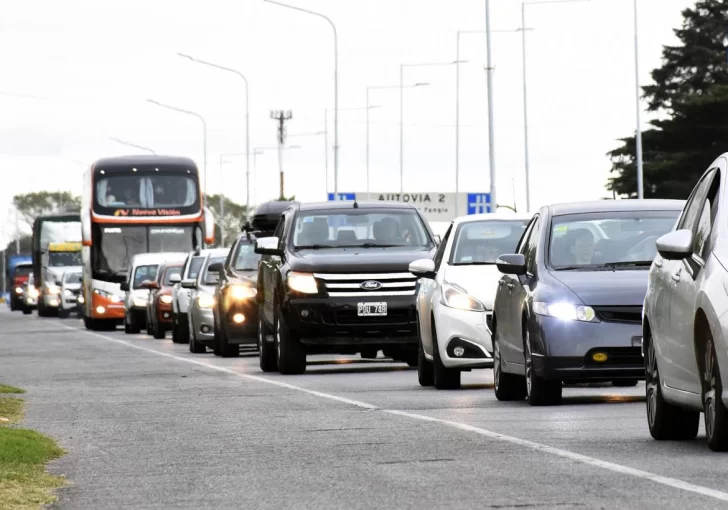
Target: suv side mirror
x=217 y=267
x=512 y=264
x=676 y=245
x=424 y=268
x=124 y=286
x=268 y=246
x=148 y=284
x=175 y=278
x=189 y=284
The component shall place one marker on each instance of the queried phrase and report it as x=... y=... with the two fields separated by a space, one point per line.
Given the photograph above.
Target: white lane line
x=584 y=459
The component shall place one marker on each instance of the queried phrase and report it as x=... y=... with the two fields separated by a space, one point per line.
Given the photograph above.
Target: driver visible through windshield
x=578 y=242
x=359 y=229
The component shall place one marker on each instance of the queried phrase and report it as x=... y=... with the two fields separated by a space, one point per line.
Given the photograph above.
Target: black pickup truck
x=334 y=278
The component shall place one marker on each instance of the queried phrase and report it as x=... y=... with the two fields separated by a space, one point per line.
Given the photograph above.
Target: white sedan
x=456 y=294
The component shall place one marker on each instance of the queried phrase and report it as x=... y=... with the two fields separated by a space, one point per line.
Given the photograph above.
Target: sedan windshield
x=482 y=242
x=359 y=229
x=577 y=240
x=246 y=259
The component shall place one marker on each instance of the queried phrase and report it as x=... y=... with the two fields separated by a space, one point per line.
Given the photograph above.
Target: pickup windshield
x=359 y=228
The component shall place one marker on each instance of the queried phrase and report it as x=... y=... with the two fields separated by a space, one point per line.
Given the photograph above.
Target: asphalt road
x=148 y=425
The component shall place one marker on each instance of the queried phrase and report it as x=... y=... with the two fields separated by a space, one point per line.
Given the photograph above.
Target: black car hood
x=246 y=276
x=358 y=260
x=607 y=288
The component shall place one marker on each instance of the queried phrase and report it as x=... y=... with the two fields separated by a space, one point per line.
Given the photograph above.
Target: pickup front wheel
x=291 y=354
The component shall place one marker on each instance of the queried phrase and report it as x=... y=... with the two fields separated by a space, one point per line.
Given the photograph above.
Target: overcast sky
x=77 y=72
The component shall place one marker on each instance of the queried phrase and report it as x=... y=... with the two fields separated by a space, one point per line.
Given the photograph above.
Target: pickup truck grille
x=368 y=285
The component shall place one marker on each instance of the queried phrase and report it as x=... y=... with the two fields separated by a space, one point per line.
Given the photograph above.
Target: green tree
x=32 y=205
x=690 y=92
x=233 y=220
x=285 y=199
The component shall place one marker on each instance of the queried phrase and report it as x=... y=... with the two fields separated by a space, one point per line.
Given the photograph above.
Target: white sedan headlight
x=304 y=283
x=205 y=301
x=458 y=298
x=565 y=311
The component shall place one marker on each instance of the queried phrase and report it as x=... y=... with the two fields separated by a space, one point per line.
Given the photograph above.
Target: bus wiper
x=314 y=247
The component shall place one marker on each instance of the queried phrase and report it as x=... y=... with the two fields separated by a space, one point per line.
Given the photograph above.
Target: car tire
x=63 y=314
x=88 y=323
x=625 y=383
x=507 y=387
x=444 y=378
x=27 y=311
x=716 y=413
x=266 y=350
x=195 y=346
x=183 y=331
x=131 y=324
x=159 y=332
x=176 y=334
x=665 y=421
x=425 y=370
x=291 y=353
x=539 y=391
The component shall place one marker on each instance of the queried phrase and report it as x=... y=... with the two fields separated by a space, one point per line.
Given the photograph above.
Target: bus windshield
x=116 y=245
x=146 y=191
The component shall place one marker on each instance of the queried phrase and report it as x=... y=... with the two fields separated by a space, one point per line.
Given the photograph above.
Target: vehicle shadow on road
x=601 y=399
x=357 y=370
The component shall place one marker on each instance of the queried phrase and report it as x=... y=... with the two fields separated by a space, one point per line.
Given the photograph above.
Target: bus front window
x=117 y=246
x=171 y=239
x=147 y=191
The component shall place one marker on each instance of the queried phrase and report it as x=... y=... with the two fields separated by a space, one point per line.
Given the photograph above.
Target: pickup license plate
x=372 y=309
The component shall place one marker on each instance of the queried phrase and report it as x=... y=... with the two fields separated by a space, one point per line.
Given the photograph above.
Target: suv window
x=194 y=267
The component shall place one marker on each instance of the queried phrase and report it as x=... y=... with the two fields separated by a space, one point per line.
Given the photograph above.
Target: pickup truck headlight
x=565 y=311
x=458 y=298
x=166 y=299
x=304 y=283
x=242 y=292
x=205 y=301
x=52 y=289
x=33 y=292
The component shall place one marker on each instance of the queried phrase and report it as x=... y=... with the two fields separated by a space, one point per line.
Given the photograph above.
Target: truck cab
x=56 y=260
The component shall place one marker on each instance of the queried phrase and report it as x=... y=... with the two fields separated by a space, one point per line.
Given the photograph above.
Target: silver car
x=181 y=297
x=685 y=324
x=71 y=294
x=200 y=314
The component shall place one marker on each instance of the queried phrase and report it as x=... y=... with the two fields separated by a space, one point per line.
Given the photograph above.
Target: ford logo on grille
x=371 y=285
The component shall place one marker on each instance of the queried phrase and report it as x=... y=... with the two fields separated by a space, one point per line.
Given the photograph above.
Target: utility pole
x=281 y=117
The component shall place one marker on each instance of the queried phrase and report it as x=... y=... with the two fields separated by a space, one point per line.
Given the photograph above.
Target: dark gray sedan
x=569 y=306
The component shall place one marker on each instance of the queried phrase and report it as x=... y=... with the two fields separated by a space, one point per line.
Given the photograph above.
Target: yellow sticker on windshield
x=561 y=229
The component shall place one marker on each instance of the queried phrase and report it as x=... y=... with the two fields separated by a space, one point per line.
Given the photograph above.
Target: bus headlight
x=108 y=295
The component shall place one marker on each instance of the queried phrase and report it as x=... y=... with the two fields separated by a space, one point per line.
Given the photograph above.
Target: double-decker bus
x=131 y=205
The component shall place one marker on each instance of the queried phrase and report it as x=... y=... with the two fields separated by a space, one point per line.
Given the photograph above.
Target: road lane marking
x=576 y=457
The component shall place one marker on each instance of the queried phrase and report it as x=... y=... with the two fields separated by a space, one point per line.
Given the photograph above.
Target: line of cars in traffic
x=607 y=291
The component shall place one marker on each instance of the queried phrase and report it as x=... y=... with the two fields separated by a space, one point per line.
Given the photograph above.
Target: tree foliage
x=690 y=92
x=232 y=221
x=32 y=205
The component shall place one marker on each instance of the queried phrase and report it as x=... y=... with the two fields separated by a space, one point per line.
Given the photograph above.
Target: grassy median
x=24 y=483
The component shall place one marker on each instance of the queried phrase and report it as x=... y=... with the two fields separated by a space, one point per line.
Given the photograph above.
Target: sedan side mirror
x=424 y=268
x=676 y=245
x=124 y=286
x=512 y=264
x=175 y=278
x=268 y=246
x=189 y=284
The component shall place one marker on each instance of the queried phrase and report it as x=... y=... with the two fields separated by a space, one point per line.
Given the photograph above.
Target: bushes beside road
x=24 y=483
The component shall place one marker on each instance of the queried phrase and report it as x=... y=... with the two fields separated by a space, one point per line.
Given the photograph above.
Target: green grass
x=24 y=483
x=10 y=389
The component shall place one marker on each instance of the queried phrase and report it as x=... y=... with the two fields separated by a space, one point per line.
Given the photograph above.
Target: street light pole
x=401 y=87
x=247 y=118
x=491 y=127
x=401 y=110
x=638 y=131
x=336 y=88
x=122 y=142
x=204 y=134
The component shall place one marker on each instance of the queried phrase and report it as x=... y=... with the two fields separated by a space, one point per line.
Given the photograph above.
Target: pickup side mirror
x=424 y=268
x=268 y=246
x=175 y=278
x=124 y=286
x=217 y=267
x=148 y=284
x=512 y=264
x=676 y=245
x=189 y=284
